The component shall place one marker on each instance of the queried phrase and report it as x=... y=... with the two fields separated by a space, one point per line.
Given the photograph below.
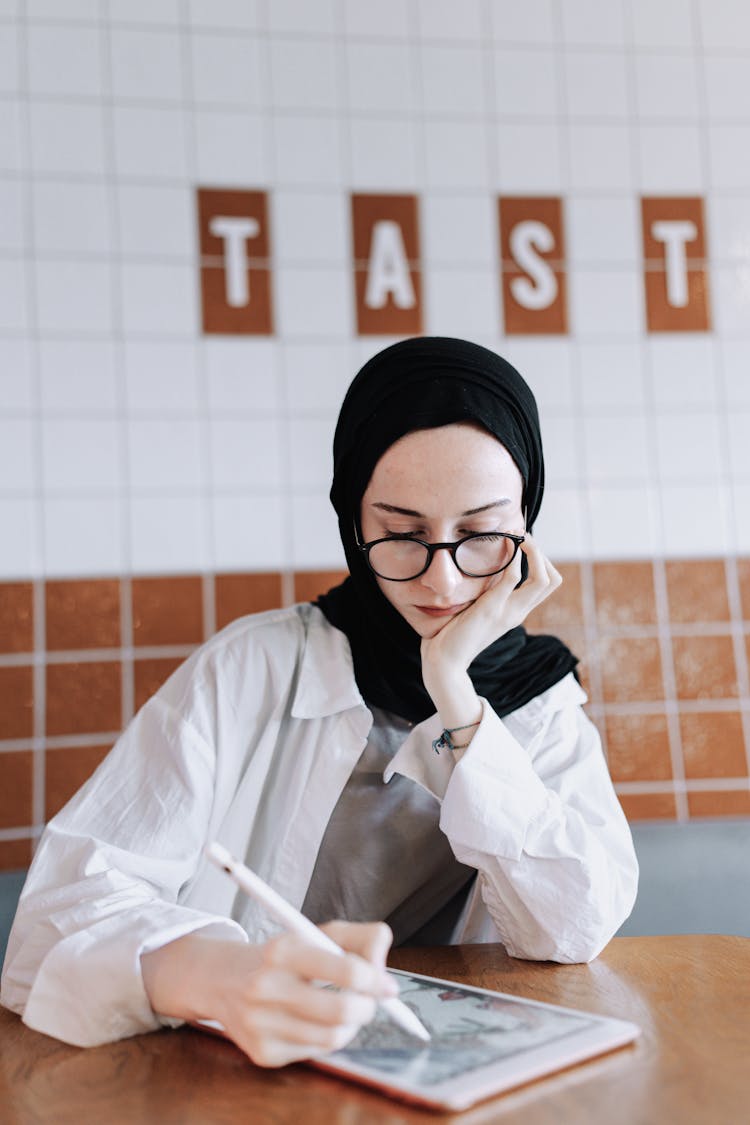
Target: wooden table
x=689 y=994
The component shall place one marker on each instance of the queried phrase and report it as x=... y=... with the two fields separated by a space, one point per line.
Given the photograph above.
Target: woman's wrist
x=456 y=701
x=182 y=978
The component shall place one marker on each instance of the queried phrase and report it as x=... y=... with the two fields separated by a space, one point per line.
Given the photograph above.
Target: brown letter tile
x=704 y=667
x=83 y=698
x=17 y=702
x=16 y=617
x=713 y=744
x=167 y=611
x=83 y=614
x=697 y=590
x=16 y=780
x=65 y=772
x=239 y=594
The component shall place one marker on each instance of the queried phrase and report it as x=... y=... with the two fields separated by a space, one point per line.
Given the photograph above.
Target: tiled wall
x=159 y=474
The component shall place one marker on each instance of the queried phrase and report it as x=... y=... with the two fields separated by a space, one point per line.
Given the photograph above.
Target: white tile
x=670 y=159
x=307 y=151
x=530 y=22
x=596 y=84
x=526 y=83
x=241 y=374
x=314 y=302
x=600 y=157
x=682 y=371
x=226 y=69
x=300 y=16
x=19 y=557
x=666 y=24
x=383 y=155
x=13 y=295
x=735 y=358
x=145 y=11
x=367 y=65
x=146 y=65
x=78 y=376
x=741 y=518
x=310 y=452
x=560 y=529
x=729 y=226
x=72 y=217
x=611 y=374
x=604 y=301
x=168 y=534
x=83 y=536
x=623 y=523
x=591 y=22
x=17 y=384
x=316 y=544
x=459 y=229
x=161 y=375
x=310 y=228
x=666 y=86
x=739 y=443
x=727 y=84
x=562 y=450
x=317 y=375
x=12 y=215
x=456 y=154
x=232 y=14
x=453 y=80
x=694 y=521
x=444 y=19
x=249 y=533
x=546 y=366
x=17 y=461
x=389 y=19
x=11 y=155
x=72 y=10
x=616 y=449
x=230 y=148
x=65 y=60
x=602 y=230
x=724 y=24
x=461 y=302
x=245 y=453
x=729 y=147
x=529 y=159
x=165 y=453
x=80 y=455
x=730 y=288
x=688 y=448
x=67 y=138
x=9 y=59
x=159 y=298
x=150 y=142
x=74 y=297
x=303 y=74
x=155 y=220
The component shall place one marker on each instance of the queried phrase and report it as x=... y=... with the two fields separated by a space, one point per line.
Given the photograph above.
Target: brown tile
x=743 y=573
x=15 y=855
x=16 y=617
x=692 y=312
x=65 y=772
x=713 y=744
x=624 y=593
x=149 y=675
x=239 y=594
x=82 y=614
x=722 y=802
x=16 y=783
x=17 y=702
x=168 y=610
x=697 y=590
x=631 y=669
x=84 y=698
x=648 y=806
x=564 y=607
x=704 y=667
x=309 y=584
x=638 y=747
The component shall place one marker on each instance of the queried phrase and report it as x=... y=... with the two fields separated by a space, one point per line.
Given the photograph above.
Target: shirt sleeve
x=104 y=885
x=531 y=806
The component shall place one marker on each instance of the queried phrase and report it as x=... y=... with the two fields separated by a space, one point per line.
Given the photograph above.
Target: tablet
x=482 y=1043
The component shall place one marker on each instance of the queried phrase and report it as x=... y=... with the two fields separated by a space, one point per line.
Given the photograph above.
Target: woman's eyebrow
x=393 y=509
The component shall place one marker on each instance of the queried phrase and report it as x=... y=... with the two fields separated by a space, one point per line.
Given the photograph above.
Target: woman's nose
x=442 y=575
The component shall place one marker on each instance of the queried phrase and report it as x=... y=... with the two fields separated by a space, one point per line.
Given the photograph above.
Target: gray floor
x=695 y=879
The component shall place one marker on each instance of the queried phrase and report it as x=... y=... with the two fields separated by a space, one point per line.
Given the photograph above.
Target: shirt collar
x=326 y=683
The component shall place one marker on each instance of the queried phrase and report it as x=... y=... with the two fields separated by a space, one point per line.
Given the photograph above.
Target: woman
x=400 y=750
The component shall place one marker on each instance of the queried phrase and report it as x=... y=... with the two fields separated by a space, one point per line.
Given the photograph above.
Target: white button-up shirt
x=251 y=743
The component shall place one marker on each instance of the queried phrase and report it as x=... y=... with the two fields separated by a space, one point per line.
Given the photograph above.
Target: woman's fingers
x=370 y=940
x=350 y=971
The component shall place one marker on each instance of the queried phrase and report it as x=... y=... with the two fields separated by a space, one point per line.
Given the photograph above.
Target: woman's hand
x=500 y=608
x=264 y=996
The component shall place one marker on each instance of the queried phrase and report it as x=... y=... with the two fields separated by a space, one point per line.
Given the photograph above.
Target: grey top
x=383 y=855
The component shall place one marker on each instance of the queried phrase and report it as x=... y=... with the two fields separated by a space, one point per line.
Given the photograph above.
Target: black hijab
x=419 y=384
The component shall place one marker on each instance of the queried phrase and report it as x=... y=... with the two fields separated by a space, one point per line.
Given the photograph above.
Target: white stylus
x=291 y=919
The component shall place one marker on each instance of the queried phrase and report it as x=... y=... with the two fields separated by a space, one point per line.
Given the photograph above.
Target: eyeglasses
x=399 y=558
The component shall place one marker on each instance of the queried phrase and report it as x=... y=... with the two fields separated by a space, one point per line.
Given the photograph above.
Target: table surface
x=689 y=994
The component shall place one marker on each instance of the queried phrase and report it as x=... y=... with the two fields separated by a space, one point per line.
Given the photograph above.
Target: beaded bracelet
x=444 y=740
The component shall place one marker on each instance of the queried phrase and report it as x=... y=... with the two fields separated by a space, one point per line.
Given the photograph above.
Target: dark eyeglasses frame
x=365 y=548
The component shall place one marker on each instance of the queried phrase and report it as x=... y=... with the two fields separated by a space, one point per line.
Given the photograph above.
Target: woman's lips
x=441 y=610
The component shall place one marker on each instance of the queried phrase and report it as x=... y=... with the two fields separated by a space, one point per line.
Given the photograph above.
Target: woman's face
x=439 y=485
